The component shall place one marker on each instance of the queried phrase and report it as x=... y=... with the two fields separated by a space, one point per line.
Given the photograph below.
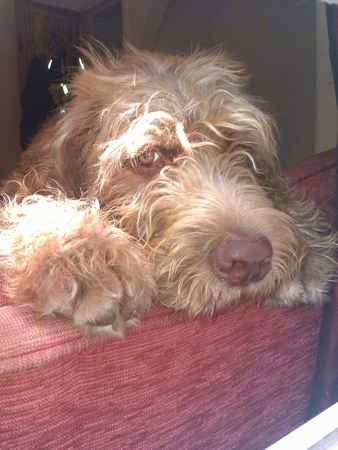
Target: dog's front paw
x=75 y=263
x=103 y=295
x=108 y=306
x=111 y=313
x=291 y=294
x=298 y=292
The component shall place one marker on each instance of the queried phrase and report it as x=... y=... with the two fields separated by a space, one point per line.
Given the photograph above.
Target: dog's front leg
x=64 y=256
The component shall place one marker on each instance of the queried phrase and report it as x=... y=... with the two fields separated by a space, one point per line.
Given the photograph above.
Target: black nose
x=242 y=259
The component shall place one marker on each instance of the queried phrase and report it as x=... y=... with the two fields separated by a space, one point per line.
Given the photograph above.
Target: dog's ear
x=67 y=139
x=258 y=136
x=94 y=82
x=228 y=117
x=243 y=131
x=73 y=138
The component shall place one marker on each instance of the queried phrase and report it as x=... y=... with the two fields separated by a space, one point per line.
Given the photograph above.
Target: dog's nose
x=242 y=259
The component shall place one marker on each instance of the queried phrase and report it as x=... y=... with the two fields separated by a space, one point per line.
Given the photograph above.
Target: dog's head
x=186 y=161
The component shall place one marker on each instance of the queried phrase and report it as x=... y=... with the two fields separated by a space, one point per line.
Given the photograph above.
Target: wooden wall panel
x=43 y=30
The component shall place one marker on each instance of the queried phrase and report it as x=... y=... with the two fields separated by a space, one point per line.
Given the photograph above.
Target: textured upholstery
x=240 y=381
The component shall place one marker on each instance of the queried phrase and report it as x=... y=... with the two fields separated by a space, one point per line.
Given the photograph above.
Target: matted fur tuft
x=121 y=201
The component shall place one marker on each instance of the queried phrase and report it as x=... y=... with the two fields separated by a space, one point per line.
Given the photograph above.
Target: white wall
x=9 y=98
x=326 y=110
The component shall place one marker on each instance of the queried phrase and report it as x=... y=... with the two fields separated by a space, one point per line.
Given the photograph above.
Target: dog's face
x=187 y=163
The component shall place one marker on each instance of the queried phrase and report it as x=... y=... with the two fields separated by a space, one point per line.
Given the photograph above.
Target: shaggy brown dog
x=161 y=182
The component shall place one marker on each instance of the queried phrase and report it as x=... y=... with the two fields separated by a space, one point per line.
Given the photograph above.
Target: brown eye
x=147 y=158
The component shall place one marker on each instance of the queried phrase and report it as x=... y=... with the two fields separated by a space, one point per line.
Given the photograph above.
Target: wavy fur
x=120 y=201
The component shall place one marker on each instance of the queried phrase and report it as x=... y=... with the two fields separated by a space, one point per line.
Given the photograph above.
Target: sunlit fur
x=91 y=231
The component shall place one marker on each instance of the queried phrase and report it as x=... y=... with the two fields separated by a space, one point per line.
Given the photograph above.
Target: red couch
x=240 y=381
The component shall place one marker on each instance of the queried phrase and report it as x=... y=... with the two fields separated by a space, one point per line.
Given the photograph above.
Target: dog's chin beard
x=202 y=292
x=193 y=286
x=200 y=299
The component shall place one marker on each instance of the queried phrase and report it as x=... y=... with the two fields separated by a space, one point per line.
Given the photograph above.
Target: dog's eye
x=149 y=158
x=154 y=158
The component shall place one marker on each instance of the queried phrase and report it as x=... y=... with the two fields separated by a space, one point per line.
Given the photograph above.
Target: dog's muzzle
x=242 y=259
